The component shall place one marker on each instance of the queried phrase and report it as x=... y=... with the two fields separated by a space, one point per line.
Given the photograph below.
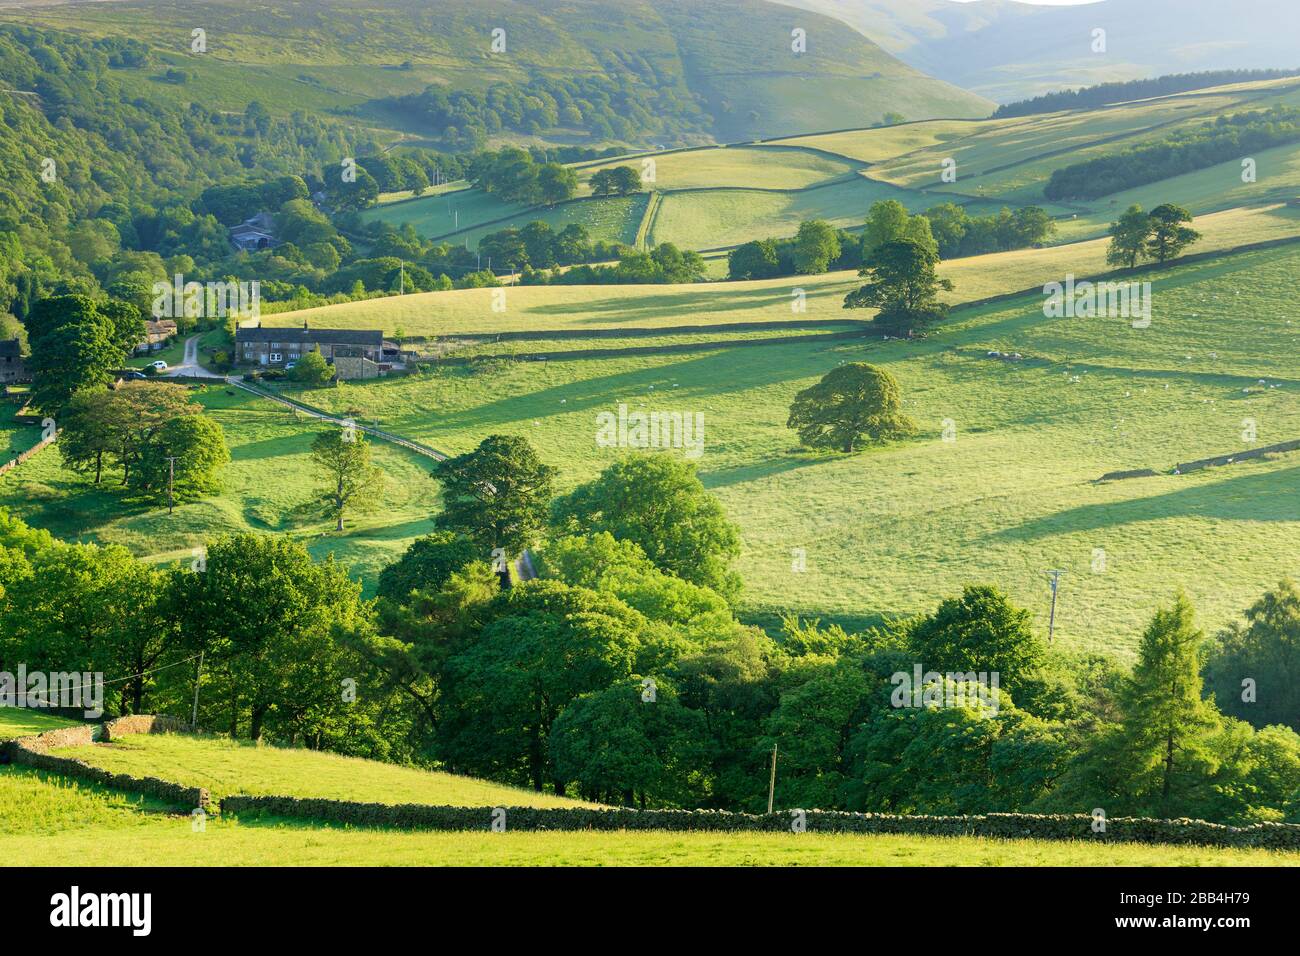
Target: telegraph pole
x=771 y=781
x=171 y=480
x=1055 y=575
x=194 y=719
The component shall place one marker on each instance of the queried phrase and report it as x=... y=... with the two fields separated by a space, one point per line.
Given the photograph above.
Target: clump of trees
x=1161 y=235
x=947 y=229
x=77 y=343
x=958 y=233
x=1222 y=140
x=537 y=246
x=659 y=504
x=136 y=428
x=513 y=175
x=615 y=181
x=639 y=102
x=663 y=264
x=853 y=405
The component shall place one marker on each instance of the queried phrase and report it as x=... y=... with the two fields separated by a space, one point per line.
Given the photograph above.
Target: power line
x=119 y=680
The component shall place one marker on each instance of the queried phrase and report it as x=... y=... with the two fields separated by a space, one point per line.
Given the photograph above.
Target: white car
x=160 y=365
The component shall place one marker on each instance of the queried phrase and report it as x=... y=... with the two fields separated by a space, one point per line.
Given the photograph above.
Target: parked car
x=160 y=365
x=134 y=376
x=289 y=367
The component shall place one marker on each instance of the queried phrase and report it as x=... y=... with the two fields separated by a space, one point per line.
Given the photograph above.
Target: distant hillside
x=634 y=71
x=1008 y=51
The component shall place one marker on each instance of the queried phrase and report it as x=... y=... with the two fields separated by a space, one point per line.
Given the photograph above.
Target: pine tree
x=1165 y=737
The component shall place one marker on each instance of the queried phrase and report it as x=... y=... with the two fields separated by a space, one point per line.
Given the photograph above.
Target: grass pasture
x=756 y=167
x=228 y=767
x=24 y=722
x=886 y=531
x=49 y=821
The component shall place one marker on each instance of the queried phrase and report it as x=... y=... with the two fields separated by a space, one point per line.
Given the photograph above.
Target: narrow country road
x=190 y=363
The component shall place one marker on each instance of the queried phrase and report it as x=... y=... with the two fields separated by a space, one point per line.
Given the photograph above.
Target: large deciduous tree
x=902 y=284
x=1169 y=236
x=546 y=645
x=852 y=405
x=659 y=503
x=198 y=445
x=349 y=482
x=1128 y=238
x=497 y=495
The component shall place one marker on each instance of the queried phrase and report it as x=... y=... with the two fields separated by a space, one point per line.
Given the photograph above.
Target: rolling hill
x=716 y=197
x=1007 y=50
x=639 y=72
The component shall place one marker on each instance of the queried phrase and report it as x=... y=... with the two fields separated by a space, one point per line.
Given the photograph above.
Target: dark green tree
x=658 y=503
x=1169 y=236
x=903 y=285
x=1128 y=238
x=1253 y=671
x=497 y=495
x=426 y=565
x=852 y=405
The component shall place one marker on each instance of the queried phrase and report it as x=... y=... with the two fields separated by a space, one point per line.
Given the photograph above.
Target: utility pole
x=771 y=781
x=171 y=479
x=194 y=719
x=1055 y=575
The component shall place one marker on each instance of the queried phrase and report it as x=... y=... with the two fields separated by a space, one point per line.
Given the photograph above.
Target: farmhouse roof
x=10 y=348
x=371 y=337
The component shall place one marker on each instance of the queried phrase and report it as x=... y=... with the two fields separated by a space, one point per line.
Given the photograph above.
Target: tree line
x=947 y=229
x=1221 y=140
x=623 y=675
x=1122 y=91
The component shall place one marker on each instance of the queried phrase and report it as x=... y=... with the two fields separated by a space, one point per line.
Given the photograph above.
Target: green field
x=887 y=142
x=23 y=722
x=887 y=532
x=612 y=219
x=470 y=311
x=716 y=198
x=268 y=486
x=228 y=767
x=756 y=167
x=48 y=821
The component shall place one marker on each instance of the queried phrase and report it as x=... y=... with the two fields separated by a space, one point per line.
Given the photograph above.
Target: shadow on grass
x=1253 y=496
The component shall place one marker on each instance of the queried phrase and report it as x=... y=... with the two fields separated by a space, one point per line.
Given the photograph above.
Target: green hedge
x=1000 y=825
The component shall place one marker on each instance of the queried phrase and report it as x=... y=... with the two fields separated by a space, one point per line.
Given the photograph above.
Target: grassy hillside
x=1008 y=50
x=713 y=198
x=1010 y=497
x=49 y=821
x=23 y=722
x=681 y=72
x=227 y=767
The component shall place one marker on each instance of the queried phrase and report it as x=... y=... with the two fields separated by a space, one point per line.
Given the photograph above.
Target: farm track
x=408 y=443
x=646 y=227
